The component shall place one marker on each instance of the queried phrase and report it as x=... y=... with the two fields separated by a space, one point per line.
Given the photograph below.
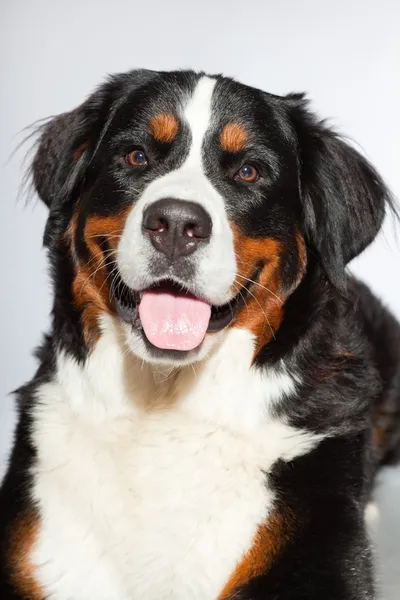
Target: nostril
x=190 y=230
x=203 y=228
x=155 y=224
x=197 y=231
x=161 y=226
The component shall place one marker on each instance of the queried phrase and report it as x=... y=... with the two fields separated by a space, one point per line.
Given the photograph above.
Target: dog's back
x=383 y=331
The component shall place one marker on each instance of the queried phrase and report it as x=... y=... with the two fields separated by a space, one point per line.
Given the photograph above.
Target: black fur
x=343 y=344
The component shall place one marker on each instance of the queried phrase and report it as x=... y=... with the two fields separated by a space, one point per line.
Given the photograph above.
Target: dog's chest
x=151 y=502
x=165 y=513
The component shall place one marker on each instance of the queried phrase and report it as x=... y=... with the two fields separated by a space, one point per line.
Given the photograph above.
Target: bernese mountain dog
x=216 y=393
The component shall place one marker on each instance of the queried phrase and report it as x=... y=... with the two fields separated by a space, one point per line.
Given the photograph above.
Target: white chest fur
x=152 y=490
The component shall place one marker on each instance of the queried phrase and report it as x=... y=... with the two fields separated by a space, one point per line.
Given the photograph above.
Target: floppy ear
x=344 y=198
x=67 y=142
x=56 y=159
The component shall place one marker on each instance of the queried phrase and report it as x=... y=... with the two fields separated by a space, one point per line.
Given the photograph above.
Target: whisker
x=265 y=315
x=262 y=310
x=94 y=258
x=240 y=292
x=244 y=262
x=112 y=274
x=108 y=236
x=261 y=286
x=92 y=275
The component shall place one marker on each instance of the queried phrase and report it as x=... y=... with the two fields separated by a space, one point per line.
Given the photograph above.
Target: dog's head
x=184 y=205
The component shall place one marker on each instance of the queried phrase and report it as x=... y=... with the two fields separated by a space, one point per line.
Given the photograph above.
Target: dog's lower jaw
x=137 y=344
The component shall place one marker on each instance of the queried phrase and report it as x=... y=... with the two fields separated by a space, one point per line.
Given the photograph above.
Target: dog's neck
x=112 y=383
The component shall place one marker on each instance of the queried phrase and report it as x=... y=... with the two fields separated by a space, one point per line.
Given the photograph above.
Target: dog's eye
x=247 y=173
x=136 y=158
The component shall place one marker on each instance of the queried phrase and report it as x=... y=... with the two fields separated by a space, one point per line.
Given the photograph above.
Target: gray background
x=345 y=53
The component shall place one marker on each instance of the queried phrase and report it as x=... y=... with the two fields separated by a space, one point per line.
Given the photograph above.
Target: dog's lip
x=127 y=302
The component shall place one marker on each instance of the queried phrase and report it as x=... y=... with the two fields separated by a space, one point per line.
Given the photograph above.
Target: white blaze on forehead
x=214 y=264
x=198 y=115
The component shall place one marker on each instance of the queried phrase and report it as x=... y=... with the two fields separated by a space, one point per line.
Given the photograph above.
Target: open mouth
x=171 y=317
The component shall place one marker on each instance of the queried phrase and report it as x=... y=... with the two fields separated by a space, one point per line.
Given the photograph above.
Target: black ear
x=67 y=142
x=344 y=198
x=56 y=159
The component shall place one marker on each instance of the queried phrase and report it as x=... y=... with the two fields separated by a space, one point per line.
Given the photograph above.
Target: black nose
x=176 y=227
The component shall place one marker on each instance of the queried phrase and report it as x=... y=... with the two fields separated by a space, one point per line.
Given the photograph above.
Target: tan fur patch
x=22 y=570
x=164 y=127
x=268 y=543
x=301 y=246
x=91 y=284
x=263 y=311
x=233 y=137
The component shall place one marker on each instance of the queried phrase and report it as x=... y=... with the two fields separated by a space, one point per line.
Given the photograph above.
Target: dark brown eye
x=247 y=173
x=136 y=158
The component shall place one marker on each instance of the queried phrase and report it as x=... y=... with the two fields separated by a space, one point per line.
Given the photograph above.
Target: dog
x=216 y=393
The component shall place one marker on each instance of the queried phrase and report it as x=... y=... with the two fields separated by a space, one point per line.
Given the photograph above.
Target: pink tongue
x=173 y=321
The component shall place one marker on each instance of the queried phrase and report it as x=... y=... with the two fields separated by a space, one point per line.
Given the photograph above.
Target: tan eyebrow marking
x=164 y=127
x=233 y=137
